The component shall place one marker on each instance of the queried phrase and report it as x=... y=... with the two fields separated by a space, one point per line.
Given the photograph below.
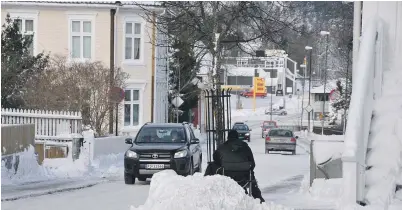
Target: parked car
x=276 y=112
x=266 y=126
x=280 y=140
x=162 y=146
x=248 y=93
x=243 y=130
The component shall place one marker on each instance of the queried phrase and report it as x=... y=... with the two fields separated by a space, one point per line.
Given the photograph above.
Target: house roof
x=86 y=3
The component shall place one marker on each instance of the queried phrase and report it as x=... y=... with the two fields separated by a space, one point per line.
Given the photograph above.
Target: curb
x=51 y=191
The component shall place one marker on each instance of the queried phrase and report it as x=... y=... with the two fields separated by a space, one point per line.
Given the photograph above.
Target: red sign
x=116 y=94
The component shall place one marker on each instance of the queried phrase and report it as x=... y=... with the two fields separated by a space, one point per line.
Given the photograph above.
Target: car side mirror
x=129 y=141
x=251 y=129
x=296 y=137
x=195 y=141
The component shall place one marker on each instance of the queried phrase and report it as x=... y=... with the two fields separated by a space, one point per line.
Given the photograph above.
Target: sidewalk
x=33 y=189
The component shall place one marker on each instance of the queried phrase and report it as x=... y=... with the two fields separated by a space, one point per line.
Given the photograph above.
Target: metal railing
x=365 y=90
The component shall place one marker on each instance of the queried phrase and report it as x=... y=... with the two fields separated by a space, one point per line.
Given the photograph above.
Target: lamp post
x=309 y=85
x=302 y=105
x=325 y=33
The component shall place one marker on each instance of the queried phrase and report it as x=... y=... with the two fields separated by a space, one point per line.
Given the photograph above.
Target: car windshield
x=161 y=135
x=281 y=133
x=269 y=124
x=240 y=127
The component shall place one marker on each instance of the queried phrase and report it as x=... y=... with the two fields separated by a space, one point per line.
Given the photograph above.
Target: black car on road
x=243 y=130
x=160 y=146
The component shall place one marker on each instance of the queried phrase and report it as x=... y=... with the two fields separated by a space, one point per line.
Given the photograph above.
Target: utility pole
x=325 y=33
x=271 y=93
x=303 y=86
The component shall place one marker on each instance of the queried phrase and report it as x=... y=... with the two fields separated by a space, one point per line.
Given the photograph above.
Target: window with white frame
x=81 y=36
x=27 y=29
x=132 y=107
x=132 y=40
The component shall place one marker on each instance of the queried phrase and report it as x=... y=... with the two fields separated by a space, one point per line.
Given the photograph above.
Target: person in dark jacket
x=236 y=152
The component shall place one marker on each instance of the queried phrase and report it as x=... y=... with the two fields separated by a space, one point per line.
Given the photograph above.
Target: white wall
x=391 y=15
x=105 y=146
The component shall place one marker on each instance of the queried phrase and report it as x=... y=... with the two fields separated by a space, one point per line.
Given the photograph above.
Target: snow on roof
x=103 y=3
x=329 y=86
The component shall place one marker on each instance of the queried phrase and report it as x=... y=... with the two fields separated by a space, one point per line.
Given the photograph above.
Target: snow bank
x=326 y=189
x=28 y=169
x=169 y=191
x=103 y=165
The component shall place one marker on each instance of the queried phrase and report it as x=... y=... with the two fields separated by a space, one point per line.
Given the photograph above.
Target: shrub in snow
x=169 y=191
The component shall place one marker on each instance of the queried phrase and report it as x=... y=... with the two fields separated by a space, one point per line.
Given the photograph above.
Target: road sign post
x=116 y=96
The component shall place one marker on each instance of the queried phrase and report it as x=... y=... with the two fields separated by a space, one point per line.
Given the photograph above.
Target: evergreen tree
x=18 y=66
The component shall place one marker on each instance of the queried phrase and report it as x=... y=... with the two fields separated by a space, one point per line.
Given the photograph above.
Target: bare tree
x=75 y=86
x=213 y=26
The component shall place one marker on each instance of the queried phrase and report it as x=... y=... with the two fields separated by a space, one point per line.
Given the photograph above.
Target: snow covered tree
x=18 y=65
x=341 y=103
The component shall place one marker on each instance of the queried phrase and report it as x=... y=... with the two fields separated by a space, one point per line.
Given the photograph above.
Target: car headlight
x=131 y=154
x=247 y=134
x=180 y=154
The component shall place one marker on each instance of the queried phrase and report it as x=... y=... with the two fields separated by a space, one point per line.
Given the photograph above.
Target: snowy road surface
x=270 y=171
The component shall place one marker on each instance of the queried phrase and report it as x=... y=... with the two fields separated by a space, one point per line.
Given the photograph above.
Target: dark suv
x=162 y=146
x=243 y=130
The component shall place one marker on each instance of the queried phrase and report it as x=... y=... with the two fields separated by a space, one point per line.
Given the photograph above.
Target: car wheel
x=142 y=179
x=267 y=151
x=199 y=168
x=293 y=152
x=249 y=140
x=129 y=178
x=191 y=170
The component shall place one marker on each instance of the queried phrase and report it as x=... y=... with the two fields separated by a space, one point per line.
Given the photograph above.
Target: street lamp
x=302 y=106
x=308 y=48
x=325 y=33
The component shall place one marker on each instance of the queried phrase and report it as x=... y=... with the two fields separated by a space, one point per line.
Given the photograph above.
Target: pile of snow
x=28 y=169
x=108 y=165
x=326 y=189
x=169 y=191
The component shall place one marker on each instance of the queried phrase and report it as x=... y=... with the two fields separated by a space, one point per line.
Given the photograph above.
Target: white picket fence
x=48 y=124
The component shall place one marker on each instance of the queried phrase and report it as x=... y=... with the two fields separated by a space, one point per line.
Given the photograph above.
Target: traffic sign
x=116 y=94
x=309 y=108
x=177 y=101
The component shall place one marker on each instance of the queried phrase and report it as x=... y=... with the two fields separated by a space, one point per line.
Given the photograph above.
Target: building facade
x=111 y=32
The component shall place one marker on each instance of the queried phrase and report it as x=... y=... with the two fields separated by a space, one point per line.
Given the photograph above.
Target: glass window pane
x=75 y=45
x=136 y=95
x=19 y=23
x=137 y=28
x=87 y=26
x=128 y=48
x=30 y=47
x=136 y=111
x=29 y=26
x=87 y=47
x=129 y=28
x=127 y=115
x=75 y=26
x=127 y=95
x=137 y=48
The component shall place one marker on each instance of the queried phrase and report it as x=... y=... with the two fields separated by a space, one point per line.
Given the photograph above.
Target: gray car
x=276 y=112
x=280 y=140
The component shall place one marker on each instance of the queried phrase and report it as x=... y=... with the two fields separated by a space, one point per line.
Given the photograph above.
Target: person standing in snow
x=236 y=151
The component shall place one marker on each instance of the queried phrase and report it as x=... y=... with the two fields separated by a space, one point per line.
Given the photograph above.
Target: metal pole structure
x=326 y=33
x=117 y=118
x=346 y=94
x=271 y=94
x=356 y=35
x=304 y=84
x=309 y=86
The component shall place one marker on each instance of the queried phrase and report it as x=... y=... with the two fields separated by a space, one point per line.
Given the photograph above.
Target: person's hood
x=236 y=144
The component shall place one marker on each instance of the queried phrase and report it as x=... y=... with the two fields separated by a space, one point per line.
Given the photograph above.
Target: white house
x=114 y=33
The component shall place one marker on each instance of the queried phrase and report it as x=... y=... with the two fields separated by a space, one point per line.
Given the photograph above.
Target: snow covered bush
x=169 y=191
